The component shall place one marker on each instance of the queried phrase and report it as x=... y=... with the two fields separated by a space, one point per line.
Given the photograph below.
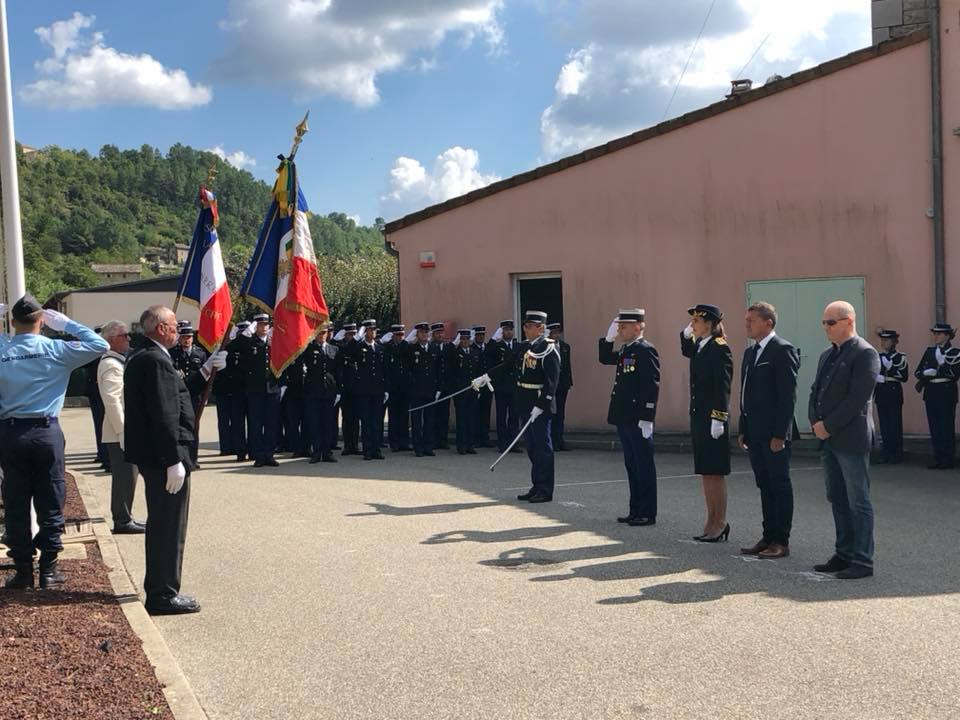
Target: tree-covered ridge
x=79 y=209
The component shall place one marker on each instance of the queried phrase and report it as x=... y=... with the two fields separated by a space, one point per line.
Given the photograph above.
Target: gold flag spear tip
x=302 y=130
x=211 y=174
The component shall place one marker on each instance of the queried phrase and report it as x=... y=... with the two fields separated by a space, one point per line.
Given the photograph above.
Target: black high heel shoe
x=723 y=536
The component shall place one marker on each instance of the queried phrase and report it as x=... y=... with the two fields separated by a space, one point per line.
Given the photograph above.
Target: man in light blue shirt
x=34 y=372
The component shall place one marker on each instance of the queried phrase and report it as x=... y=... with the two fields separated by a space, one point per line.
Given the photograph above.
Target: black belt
x=30 y=422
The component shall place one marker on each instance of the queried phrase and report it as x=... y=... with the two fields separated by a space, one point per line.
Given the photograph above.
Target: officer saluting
x=889 y=396
x=320 y=393
x=464 y=363
x=235 y=371
x=633 y=409
x=366 y=356
x=398 y=385
x=263 y=395
x=423 y=370
x=441 y=411
x=188 y=359
x=563 y=387
x=35 y=373
x=937 y=376
x=502 y=351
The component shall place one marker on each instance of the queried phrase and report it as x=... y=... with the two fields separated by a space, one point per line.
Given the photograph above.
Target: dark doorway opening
x=540 y=293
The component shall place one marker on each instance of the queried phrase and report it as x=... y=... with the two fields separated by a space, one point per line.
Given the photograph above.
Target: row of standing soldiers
x=353 y=379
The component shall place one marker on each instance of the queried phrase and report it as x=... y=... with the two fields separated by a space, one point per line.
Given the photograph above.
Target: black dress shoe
x=418 y=454
x=177 y=605
x=368 y=457
x=130 y=528
x=461 y=452
x=242 y=457
x=379 y=456
x=271 y=462
x=329 y=458
x=540 y=498
x=854 y=572
x=641 y=521
x=526 y=495
x=562 y=448
x=258 y=463
x=404 y=448
x=429 y=453
x=22 y=579
x=471 y=451
x=50 y=575
x=315 y=459
x=834 y=564
x=625 y=519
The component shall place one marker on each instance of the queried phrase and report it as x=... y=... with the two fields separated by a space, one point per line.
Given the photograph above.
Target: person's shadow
x=384 y=509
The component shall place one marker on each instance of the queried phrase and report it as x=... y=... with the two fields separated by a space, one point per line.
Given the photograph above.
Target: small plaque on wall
x=428 y=259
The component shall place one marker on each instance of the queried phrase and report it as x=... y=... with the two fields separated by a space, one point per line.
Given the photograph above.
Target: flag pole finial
x=211 y=174
x=302 y=130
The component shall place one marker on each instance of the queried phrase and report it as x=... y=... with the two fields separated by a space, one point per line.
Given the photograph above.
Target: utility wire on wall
x=689 y=58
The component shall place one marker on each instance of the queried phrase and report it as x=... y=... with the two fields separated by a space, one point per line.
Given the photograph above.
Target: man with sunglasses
x=841 y=414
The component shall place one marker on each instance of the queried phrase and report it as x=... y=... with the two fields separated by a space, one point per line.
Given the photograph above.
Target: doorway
x=541 y=291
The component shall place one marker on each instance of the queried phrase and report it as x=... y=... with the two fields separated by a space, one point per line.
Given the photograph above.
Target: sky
x=411 y=102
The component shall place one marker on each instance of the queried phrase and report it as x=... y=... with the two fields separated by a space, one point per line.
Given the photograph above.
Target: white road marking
x=662 y=477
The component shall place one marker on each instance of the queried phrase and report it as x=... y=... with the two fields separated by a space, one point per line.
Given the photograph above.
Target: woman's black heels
x=722 y=537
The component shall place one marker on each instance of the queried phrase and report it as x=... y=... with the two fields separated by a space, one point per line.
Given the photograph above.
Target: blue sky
x=412 y=101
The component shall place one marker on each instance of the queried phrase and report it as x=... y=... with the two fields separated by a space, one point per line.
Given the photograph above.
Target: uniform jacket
x=346 y=368
x=255 y=363
x=841 y=396
x=891 y=389
x=158 y=412
x=319 y=364
x=188 y=361
x=371 y=370
x=636 y=386
x=230 y=380
x=949 y=370
x=110 y=385
x=499 y=353
x=538 y=372
x=423 y=369
x=463 y=366
x=566 y=369
x=397 y=377
x=768 y=391
x=711 y=373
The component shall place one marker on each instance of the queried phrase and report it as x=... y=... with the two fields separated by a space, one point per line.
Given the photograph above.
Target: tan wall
x=828 y=179
x=94 y=309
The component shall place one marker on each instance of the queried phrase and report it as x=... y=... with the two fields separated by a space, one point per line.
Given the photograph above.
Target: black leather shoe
x=526 y=495
x=329 y=458
x=418 y=454
x=540 y=498
x=461 y=452
x=379 y=456
x=130 y=528
x=641 y=521
x=854 y=572
x=177 y=605
x=471 y=451
x=50 y=576
x=315 y=459
x=271 y=462
x=22 y=579
x=258 y=463
x=834 y=564
x=429 y=453
x=242 y=457
x=625 y=519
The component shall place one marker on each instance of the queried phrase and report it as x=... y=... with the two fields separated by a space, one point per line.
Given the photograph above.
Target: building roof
x=164 y=283
x=731 y=103
x=98 y=268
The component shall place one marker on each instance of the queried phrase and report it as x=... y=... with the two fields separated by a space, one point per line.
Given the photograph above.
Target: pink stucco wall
x=830 y=178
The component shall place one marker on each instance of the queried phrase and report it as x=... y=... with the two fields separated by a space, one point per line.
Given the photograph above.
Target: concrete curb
x=176 y=688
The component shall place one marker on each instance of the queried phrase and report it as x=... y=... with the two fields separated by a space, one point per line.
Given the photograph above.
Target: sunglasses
x=831 y=323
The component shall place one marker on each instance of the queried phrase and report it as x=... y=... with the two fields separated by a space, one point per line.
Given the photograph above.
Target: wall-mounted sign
x=428 y=259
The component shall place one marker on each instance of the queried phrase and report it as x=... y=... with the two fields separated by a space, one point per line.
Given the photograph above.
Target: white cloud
x=455 y=172
x=341 y=47
x=356 y=219
x=83 y=72
x=614 y=85
x=239 y=159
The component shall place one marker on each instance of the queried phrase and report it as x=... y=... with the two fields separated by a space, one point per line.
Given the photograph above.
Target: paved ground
x=421 y=589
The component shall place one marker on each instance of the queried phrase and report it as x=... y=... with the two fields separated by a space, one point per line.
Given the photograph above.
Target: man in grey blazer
x=841 y=414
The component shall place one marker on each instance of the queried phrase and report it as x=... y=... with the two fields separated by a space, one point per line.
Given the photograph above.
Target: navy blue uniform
x=263 y=399
x=940 y=400
x=537 y=377
x=398 y=385
x=238 y=399
x=504 y=354
x=463 y=365
x=441 y=411
x=423 y=371
x=320 y=391
x=636 y=391
x=224 y=390
x=371 y=384
x=347 y=380
x=481 y=434
x=292 y=408
x=558 y=423
x=187 y=363
x=888 y=396
x=711 y=373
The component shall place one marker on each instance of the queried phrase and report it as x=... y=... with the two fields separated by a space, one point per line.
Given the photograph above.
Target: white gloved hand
x=336 y=400
x=217 y=361
x=881 y=379
x=646 y=429
x=939 y=355
x=411 y=336
x=688 y=332
x=498 y=334
x=930 y=372
x=341 y=334
x=612 y=332
x=55 y=320
x=480 y=382
x=283 y=391
x=886 y=362
x=716 y=429
x=386 y=337
x=249 y=330
x=386 y=398
x=536 y=412
x=176 y=476
x=437 y=396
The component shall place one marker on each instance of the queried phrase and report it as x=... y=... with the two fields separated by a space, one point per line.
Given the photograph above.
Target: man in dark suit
x=768 y=397
x=158 y=435
x=841 y=414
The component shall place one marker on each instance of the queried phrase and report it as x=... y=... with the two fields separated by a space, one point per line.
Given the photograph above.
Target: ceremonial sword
x=510 y=446
x=447 y=397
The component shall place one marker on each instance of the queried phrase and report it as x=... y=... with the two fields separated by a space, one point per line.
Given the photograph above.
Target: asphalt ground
x=420 y=588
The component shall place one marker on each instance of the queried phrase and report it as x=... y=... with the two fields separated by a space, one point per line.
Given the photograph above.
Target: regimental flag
x=204 y=281
x=283 y=278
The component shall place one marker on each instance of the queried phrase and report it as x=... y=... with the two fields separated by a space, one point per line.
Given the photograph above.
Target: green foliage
x=78 y=209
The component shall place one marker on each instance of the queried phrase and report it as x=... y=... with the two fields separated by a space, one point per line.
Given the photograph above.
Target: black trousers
x=123 y=485
x=398 y=429
x=224 y=423
x=772 y=473
x=641 y=470
x=370 y=410
x=31 y=456
x=421 y=424
x=481 y=435
x=466 y=407
x=238 y=423
x=351 y=422
x=264 y=414
x=293 y=422
x=166 y=535
x=319 y=433
x=441 y=424
x=941 y=404
x=540 y=452
x=557 y=424
x=891 y=429
x=507 y=421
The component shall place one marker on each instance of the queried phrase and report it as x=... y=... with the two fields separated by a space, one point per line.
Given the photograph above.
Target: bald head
x=840 y=309
x=839 y=321
x=160 y=324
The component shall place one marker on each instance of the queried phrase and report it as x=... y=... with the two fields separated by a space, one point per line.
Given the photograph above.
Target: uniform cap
x=630 y=315
x=369 y=324
x=464 y=332
x=422 y=326
x=554 y=326
x=349 y=327
x=186 y=330
x=397 y=328
x=943 y=328
x=436 y=326
x=535 y=316
x=710 y=312
x=24 y=307
x=243 y=325
x=261 y=317
x=479 y=328
x=889 y=334
x=506 y=323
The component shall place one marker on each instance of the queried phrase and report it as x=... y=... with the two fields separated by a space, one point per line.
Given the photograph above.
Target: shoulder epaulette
x=720 y=341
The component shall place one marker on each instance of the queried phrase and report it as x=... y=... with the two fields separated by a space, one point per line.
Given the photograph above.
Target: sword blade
x=440 y=400
x=510 y=446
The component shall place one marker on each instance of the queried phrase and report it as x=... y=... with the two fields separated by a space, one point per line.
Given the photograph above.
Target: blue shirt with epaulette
x=35 y=370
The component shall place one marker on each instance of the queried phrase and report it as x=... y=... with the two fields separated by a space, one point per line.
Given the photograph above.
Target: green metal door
x=799 y=305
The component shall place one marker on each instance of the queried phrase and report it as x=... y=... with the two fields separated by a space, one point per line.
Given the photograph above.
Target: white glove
x=940 y=356
x=283 y=391
x=217 y=361
x=250 y=329
x=646 y=429
x=930 y=372
x=55 y=320
x=437 y=396
x=881 y=379
x=176 y=475
x=612 y=332
x=411 y=336
x=341 y=334
x=688 y=332
x=336 y=400
x=498 y=334
x=716 y=429
x=886 y=362
x=121 y=441
x=535 y=413
x=386 y=398
x=269 y=334
x=480 y=382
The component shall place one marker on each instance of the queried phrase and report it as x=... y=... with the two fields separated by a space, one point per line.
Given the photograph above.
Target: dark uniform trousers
x=398 y=429
x=293 y=422
x=890 y=413
x=772 y=472
x=31 y=454
x=540 y=452
x=641 y=470
x=481 y=435
x=264 y=413
x=441 y=424
x=940 y=400
x=225 y=423
x=238 y=422
x=370 y=412
x=166 y=535
x=507 y=423
x=351 y=421
x=318 y=417
x=466 y=407
x=558 y=422
x=421 y=424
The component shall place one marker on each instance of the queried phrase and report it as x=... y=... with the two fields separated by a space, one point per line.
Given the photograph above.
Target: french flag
x=204 y=280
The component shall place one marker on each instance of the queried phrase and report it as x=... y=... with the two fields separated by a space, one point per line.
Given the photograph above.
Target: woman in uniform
x=711 y=368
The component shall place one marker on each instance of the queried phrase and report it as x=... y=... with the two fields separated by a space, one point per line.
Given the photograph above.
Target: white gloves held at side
x=716 y=429
x=336 y=400
x=176 y=476
x=930 y=372
x=881 y=379
x=612 y=332
x=646 y=429
x=437 y=396
x=535 y=413
x=55 y=320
